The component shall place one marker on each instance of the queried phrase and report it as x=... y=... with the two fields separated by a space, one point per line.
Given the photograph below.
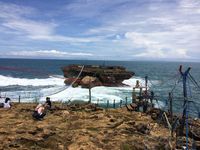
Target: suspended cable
x=71 y=83
x=194 y=81
x=176 y=84
x=167 y=80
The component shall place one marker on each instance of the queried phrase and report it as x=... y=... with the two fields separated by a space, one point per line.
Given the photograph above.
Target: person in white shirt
x=7 y=103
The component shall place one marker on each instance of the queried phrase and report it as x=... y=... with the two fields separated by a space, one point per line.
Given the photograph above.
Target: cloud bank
x=133 y=30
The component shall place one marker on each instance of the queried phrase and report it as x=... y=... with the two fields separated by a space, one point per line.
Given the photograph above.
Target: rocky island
x=97 y=75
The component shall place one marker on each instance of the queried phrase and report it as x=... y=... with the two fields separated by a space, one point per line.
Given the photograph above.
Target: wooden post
x=89 y=94
x=171 y=112
x=107 y=103
x=140 y=94
x=146 y=84
x=152 y=97
x=133 y=96
x=120 y=104
x=19 y=99
x=90 y=90
x=97 y=102
x=184 y=76
x=114 y=103
x=126 y=100
x=170 y=108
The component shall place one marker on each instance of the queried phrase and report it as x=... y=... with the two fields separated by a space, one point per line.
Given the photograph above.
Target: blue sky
x=100 y=29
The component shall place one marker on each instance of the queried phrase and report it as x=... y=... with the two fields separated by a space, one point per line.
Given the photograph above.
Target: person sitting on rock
x=48 y=103
x=7 y=103
x=39 y=112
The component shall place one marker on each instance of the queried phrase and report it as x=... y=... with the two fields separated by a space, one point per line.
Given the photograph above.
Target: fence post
x=120 y=104
x=171 y=112
x=107 y=103
x=170 y=107
x=90 y=95
x=140 y=94
x=126 y=100
x=114 y=103
x=97 y=102
x=133 y=96
x=19 y=100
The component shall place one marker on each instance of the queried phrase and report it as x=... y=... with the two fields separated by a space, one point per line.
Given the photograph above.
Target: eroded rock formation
x=104 y=75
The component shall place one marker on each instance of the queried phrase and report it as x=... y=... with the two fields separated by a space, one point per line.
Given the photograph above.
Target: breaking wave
x=8 y=81
x=58 y=91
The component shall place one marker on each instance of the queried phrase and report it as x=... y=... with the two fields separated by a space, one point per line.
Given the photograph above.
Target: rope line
x=70 y=84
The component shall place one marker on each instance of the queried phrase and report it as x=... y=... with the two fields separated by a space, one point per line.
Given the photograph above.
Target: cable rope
x=189 y=86
x=29 y=95
x=175 y=84
x=194 y=81
x=170 y=78
x=70 y=84
x=187 y=127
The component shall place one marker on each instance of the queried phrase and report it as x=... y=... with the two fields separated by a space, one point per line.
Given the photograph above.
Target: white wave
x=6 y=81
x=132 y=81
x=62 y=93
x=100 y=93
x=159 y=104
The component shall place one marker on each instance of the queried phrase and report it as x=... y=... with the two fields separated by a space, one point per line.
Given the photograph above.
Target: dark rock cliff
x=106 y=75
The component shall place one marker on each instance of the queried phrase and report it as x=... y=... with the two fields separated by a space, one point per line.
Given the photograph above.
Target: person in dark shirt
x=48 y=103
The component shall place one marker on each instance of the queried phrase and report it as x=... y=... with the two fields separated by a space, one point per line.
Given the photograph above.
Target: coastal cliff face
x=80 y=127
x=106 y=76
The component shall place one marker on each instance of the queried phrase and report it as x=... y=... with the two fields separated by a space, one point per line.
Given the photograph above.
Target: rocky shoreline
x=81 y=127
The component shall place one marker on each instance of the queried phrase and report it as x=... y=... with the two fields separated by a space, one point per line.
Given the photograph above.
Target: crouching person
x=39 y=112
x=7 y=103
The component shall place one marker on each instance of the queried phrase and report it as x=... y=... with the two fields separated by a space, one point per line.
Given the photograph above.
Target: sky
x=166 y=30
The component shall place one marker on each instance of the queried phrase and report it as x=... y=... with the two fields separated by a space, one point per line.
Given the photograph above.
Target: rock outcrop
x=104 y=75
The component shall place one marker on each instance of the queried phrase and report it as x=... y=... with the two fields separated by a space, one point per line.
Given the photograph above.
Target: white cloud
x=29 y=27
x=9 y=10
x=155 y=46
x=145 y=28
x=164 y=54
x=94 y=8
x=189 y=6
x=47 y=53
x=61 y=38
x=14 y=18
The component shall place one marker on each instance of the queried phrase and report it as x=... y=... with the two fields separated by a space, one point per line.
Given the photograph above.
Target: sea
x=33 y=80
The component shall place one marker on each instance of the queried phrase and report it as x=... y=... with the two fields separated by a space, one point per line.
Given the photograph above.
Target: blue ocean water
x=35 y=78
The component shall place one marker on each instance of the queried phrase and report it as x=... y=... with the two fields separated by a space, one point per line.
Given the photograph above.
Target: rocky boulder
x=89 y=82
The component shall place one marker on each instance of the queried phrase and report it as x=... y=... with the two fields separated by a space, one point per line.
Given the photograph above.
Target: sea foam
x=100 y=93
x=7 y=81
x=60 y=92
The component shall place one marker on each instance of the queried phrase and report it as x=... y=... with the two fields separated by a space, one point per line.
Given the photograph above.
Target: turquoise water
x=34 y=76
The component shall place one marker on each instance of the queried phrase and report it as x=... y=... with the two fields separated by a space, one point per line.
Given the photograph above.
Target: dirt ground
x=80 y=127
